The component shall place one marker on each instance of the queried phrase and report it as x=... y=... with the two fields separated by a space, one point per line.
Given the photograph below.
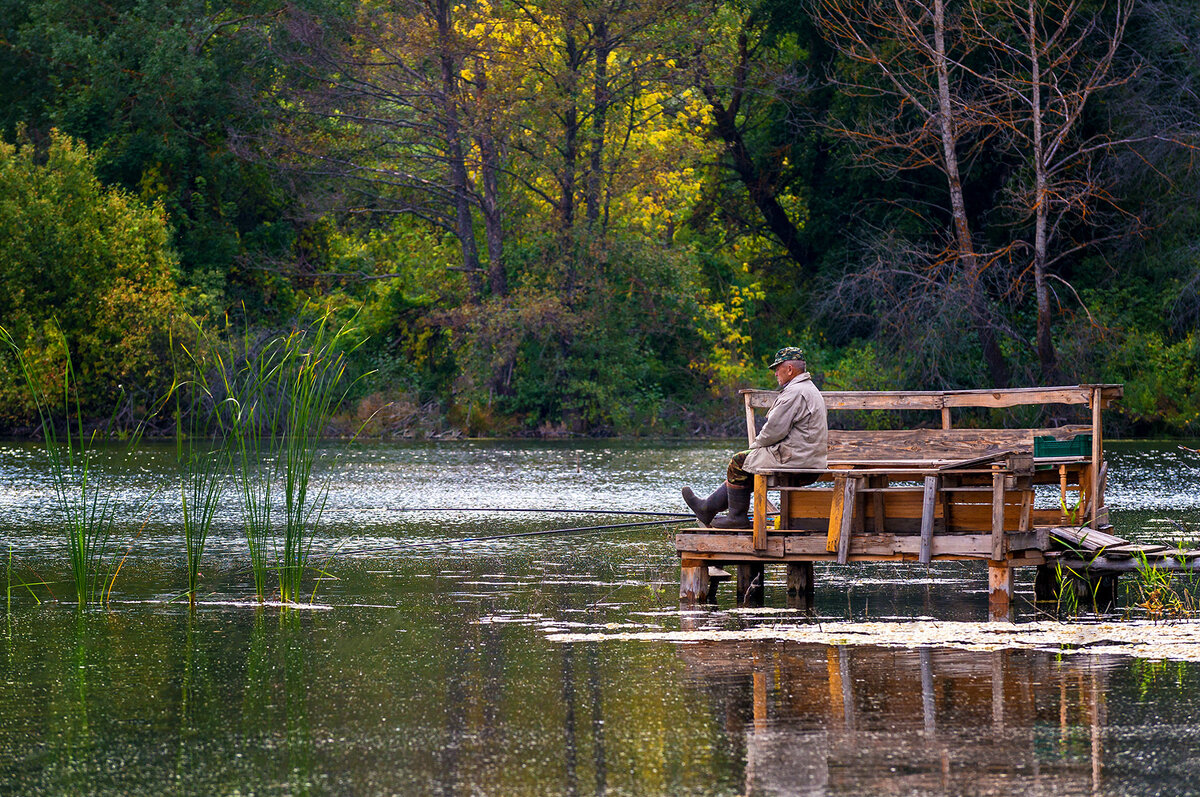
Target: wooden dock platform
x=918 y=495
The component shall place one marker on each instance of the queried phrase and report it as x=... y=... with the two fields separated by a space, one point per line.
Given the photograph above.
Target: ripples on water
x=437 y=669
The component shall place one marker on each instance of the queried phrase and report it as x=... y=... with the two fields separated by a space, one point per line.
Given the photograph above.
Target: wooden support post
x=836 y=509
x=715 y=576
x=693 y=581
x=1026 y=522
x=1062 y=489
x=928 y=505
x=1097 y=452
x=750 y=578
x=877 y=504
x=999 y=546
x=760 y=512
x=946 y=418
x=1046 y=584
x=751 y=432
x=849 y=502
x=1000 y=589
x=800 y=579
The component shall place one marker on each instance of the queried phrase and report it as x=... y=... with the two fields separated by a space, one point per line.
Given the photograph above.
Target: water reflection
x=839 y=719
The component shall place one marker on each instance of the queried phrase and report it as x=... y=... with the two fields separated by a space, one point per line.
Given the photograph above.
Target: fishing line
x=522 y=509
x=546 y=533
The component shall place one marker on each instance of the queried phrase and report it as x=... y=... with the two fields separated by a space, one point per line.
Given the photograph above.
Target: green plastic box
x=1078 y=446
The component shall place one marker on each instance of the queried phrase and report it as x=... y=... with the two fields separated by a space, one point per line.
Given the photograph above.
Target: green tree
x=160 y=92
x=93 y=261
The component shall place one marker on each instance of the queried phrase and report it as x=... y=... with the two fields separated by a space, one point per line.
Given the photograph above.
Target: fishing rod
x=523 y=509
x=546 y=533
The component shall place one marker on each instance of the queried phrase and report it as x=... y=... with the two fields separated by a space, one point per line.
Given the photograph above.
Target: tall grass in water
x=249 y=420
x=280 y=398
x=88 y=514
x=313 y=379
x=201 y=460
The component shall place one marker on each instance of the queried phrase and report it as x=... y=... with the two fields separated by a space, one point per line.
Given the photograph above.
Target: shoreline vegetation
x=554 y=219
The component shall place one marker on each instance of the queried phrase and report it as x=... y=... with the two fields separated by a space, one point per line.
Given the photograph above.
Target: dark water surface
x=440 y=670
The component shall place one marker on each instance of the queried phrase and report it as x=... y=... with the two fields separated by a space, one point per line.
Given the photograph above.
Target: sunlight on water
x=564 y=664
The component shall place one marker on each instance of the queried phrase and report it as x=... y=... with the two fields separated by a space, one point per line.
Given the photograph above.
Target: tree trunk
x=1047 y=357
x=600 y=100
x=451 y=127
x=489 y=199
x=570 y=153
x=997 y=366
x=762 y=193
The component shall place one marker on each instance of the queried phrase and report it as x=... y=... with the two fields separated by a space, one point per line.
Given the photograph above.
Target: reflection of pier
x=918 y=495
x=816 y=720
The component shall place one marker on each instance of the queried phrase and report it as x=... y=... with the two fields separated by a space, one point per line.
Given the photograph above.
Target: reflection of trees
x=887 y=721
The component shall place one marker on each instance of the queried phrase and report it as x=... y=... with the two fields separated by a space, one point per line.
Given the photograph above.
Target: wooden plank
x=974 y=512
x=998 y=550
x=731 y=544
x=929 y=504
x=1000 y=590
x=946 y=424
x=878 y=511
x=1097 y=452
x=1015 y=397
x=847 y=520
x=1085 y=539
x=936 y=400
x=881 y=400
x=947 y=445
x=836 y=510
x=978 y=546
x=694 y=584
x=785 y=509
x=1026 y=521
x=1133 y=549
x=751 y=432
x=760 y=512
x=988 y=458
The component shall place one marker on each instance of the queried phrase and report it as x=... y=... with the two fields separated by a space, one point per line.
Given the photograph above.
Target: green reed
x=250 y=419
x=1163 y=594
x=279 y=400
x=313 y=389
x=88 y=515
x=201 y=462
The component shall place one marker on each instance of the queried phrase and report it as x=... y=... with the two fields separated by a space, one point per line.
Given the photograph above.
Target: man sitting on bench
x=795 y=435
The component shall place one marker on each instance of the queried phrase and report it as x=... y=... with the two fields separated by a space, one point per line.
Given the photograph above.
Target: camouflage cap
x=785 y=354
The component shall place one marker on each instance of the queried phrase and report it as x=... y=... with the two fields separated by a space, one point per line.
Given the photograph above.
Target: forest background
x=602 y=216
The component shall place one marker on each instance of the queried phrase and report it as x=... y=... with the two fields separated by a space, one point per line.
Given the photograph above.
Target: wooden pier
x=917 y=495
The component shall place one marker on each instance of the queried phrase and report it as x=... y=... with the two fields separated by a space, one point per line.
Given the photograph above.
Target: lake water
x=564 y=664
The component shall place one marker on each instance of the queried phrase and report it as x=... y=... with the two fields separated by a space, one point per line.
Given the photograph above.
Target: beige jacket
x=796 y=434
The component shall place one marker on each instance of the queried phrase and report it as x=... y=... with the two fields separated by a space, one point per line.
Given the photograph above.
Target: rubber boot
x=738 y=516
x=705 y=508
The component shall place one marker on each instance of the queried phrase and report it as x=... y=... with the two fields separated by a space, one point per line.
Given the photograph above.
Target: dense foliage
x=601 y=216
